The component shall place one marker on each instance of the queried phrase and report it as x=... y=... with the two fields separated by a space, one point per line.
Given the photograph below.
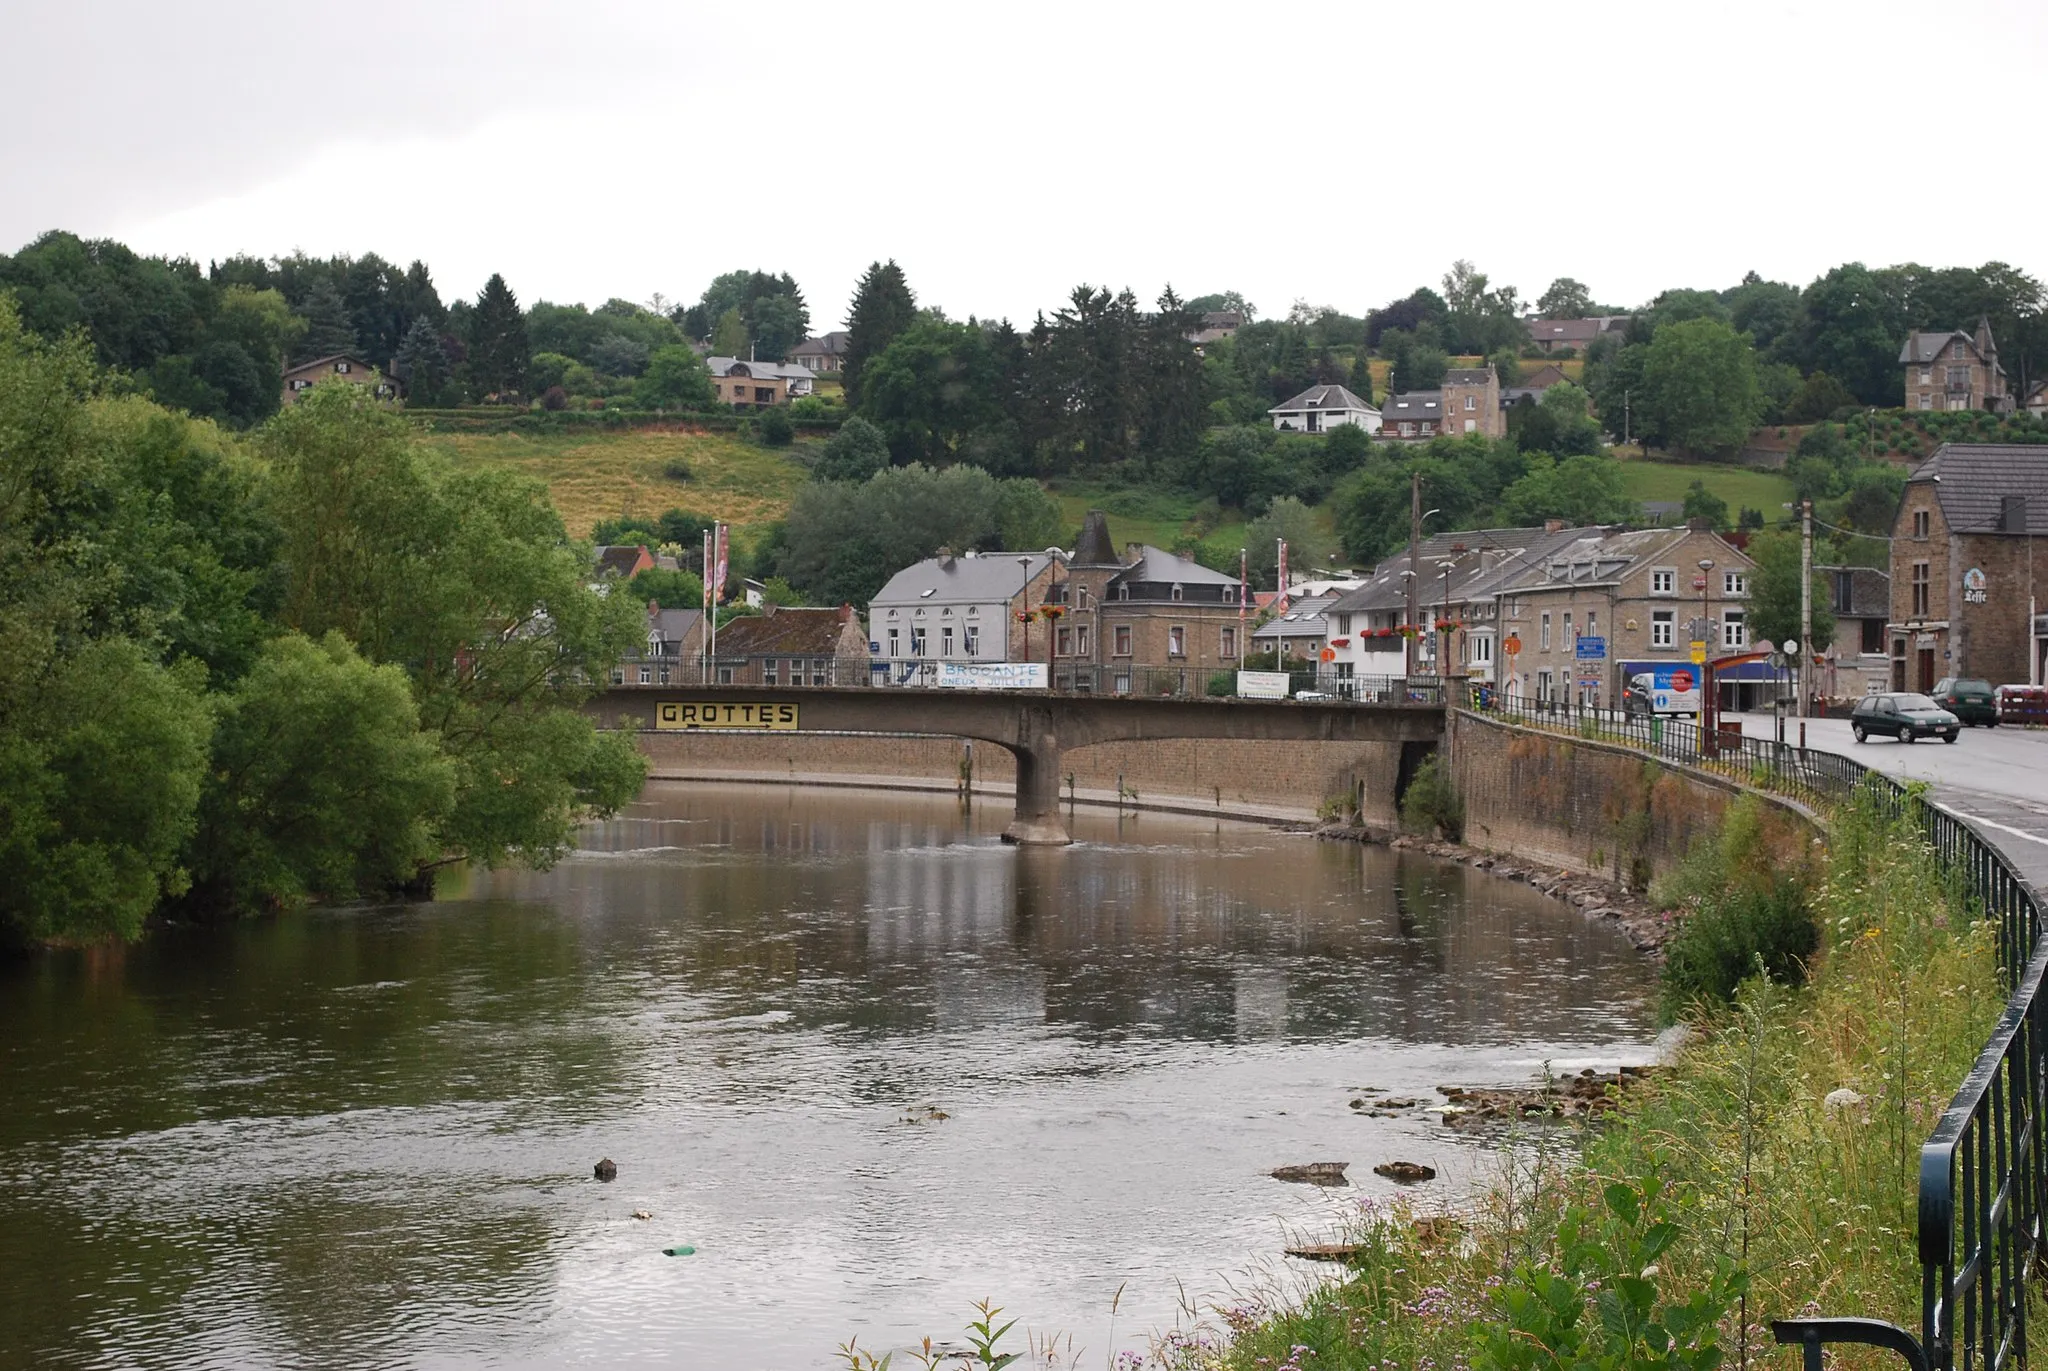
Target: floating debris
x=1313 y=1173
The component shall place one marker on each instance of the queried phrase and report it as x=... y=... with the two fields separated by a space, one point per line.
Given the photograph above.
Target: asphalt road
x=1995 y=777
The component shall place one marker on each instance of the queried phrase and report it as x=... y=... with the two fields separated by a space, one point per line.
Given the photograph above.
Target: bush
x=676 y=469
x=1742 y=911
x=554 y=397
x=1222 y=683
x=775 y=427
x=1432 y=804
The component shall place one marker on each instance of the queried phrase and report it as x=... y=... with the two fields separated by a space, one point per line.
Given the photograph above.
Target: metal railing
x=1983 y=1212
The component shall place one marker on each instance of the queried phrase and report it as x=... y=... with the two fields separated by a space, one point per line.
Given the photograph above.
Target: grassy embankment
x=1741 y=487
x=594 y=476
x=1736 y=1148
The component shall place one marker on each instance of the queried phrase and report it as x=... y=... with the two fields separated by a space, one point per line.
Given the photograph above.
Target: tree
x=498 y=347
x=1482 y=320
x=675 y=379
x=1818 y=397
x=1308 y=544
x=1416 y=367
x=1700 y=384
x=1774 y=594
x=321 y=784
x=853 y=454
x=775 y=426
x=1578 y=490
x=1705 y=505
x=328 y=327
x=1565 y=299
x=1850 y=324
x=778 y=325
x=882 y=308
x=669 y=589
x=931 y=387
x=422 y=365
x=729 y=335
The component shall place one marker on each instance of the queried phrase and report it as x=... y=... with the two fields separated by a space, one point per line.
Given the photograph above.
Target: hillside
x=1741 y=487
x=594 y=476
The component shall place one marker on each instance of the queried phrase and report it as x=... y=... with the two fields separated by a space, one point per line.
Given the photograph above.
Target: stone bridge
x=1035 y=727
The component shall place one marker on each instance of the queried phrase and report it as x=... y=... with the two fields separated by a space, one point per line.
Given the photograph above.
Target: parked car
x=1904 y=717
x=1313 y=696
x=1973 y=702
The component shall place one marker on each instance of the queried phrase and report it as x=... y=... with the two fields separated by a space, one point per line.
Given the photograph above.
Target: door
x=1925 y=674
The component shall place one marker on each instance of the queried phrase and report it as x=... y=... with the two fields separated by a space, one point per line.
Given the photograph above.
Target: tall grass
x=1757 y=1198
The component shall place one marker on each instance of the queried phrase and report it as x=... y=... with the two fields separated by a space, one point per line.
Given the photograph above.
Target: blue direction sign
x=1592 y=649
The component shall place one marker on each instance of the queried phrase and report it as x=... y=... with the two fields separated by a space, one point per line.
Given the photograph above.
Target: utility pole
x=1624 y=417
x=1805 y=608
x=1414 y=546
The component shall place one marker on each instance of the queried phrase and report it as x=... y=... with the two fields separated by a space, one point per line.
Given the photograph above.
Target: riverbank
x=1769 y=1173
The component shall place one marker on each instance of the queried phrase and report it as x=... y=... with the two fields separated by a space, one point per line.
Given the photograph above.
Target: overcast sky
x=1345 y=153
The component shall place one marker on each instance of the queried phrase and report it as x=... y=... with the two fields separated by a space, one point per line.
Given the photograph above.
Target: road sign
x=1328 y=654
x=690 y=715
x=1699 y=653
x=1513 y=645
x=1592 y=649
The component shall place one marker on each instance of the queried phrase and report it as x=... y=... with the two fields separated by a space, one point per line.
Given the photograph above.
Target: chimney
x=1132 y=552
x=2012 y=514
x=1553 y=525
x=946 y=558
x=1697 y=524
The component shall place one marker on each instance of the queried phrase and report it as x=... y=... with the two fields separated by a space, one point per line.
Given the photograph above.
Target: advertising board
x=991 y=676
x=1671 y=687
x=1262 y=685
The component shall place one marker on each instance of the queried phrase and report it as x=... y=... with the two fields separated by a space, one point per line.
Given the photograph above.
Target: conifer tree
x=498 y=349
x=422 y=364
x=328 y=326
x=882 y=308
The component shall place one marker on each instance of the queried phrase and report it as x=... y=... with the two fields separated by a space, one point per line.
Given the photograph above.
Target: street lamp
x=1709 y=692
x=1049 y=609
x=1024 y=615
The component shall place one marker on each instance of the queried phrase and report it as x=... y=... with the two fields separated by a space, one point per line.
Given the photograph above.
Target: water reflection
x=366 y=1135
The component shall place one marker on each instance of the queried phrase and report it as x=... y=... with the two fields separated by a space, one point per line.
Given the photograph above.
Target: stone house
x=960 y=608
x=341 y=367
x=1322 y=408
x=758 y=385
x=1637 y=594
x=1967 y=549
x=1415 y=414
x=1216 y=324
x=1954 y=370
x=1300 y=633
x=1148 y=622
x=789 y=646
x=823 y=355
x=1553 y=335
x=674 y=654
x=1532 y=386
x=1471 y=402
x=1856 y=662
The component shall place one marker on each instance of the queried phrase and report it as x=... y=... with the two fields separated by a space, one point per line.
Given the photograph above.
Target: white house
x=955 y=609
x=1322 y=408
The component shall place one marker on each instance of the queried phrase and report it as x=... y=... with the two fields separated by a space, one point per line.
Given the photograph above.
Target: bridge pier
x=1037 y=821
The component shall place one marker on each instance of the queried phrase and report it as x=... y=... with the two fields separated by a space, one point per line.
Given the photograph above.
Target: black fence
x=1983 y=1217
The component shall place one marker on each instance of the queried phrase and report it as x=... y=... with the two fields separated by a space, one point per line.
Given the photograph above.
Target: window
x=1733 y=631
x=1873 y=636
x=618 y=675
x=1229 y=649
x=1177 y=594
x=1920 y=588
x=1343 y=623
x=1471 y=403
x=1121 y=683
x=646 y=675
x=725 y=675
x=1081 y=640
x=768 y=676
x=1568 y=640
x=1482 y=649
x=1545 y=642
x=1919 y=523
x=1958 y=378
x=1962 y=350
x=971 y=639
x=917 y=641
x=1066 y=647
x=341 y=367
x=895 y=642
x=796 y=671
x=1123 y=641
x=1926 y=400
x=664 y=674
x=1176 y=641
x=1735 y=583
x=1664 y=628
x=1664 y=581
x=821 y=670
x=1927 y=376
x=1959 y=401
x=1592 y=623
x=946 y=641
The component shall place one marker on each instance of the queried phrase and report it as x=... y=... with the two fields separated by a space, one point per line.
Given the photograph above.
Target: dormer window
x=342 y=367
x=1176 y=592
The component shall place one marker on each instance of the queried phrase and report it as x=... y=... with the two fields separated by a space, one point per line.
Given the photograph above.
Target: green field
x=594 y=476
x=1739 y=486
x=1161 y=518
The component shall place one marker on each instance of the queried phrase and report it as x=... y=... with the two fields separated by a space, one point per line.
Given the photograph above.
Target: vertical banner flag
x=1244 y=646
x=705 y=564
x=1280 y=605
x=719 y=553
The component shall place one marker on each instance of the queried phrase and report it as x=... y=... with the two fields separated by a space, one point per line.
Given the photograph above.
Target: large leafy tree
x=1309 y=545
x=1700 y=384
x=771 y=310
x=882 y=308
x=932 y=386
x=675 y=379
x=1774 y=593
x=1565 y=299
x=498 y=346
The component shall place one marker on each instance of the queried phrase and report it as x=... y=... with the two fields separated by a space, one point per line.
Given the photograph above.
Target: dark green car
x=1974 y=702
x=1905 y=717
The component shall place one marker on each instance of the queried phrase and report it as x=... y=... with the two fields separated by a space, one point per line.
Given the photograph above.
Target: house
x=622 y=561
x=1532 y=386
x=1217 y=323
x=1301 y=633
x=1417 y=414
x=1967 y=549
x=963 y=608
x=788 y=646
x=1322 y=408
x=1146 y=622
x=1954 y=370
x=1855 y=663
x=758 y=385
x=1607 y=604
x=2036 y=402
x=674 y=654
x=1471 y=402
x=822 y=355
x=1552 y=335
x=341 y=366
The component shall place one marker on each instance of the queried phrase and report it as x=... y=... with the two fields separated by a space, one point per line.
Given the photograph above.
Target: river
x=870 y=1063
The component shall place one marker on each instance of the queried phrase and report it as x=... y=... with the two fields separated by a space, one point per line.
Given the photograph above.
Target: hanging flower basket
x=1050 y=611
x=1025 y=616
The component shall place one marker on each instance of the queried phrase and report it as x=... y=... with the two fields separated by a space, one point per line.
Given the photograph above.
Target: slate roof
x=1491 y=558
x=1323 y=398
x=1415 y=404
x=1569 y=332
x=1928 y=347
x=1304 y=619
x=1156 y=566
x=676 y=626
x=778 y=631
x=1870 y=591
x=831 y=344
x=1468 y=376
x=1093 y=547
x=1222 y=318
x=1972 y=478
x=980 y=578
x=725 y=366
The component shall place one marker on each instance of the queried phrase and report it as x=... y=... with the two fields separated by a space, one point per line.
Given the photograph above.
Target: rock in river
x=1313 y=1173
x=1408 y=1173
x=606 y=1170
